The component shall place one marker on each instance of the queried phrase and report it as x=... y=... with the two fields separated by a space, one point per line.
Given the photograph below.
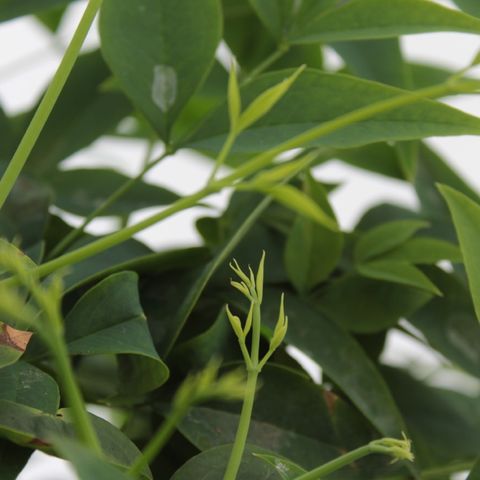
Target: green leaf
x=81 y=191
x=359 y=20
x=196 y=285
x=424 y=250
x=332 y=425
x=397 y=272
x=211 y=465
x=317 y=97
x=11 y=8
x=82 y=114
x=355 y=374
x=470 y=6
x=109 y=319
x=372 y=305
x=173 y=62
x=27 y=385
x=25 y=214
x=297 y=201
x=466 y=218
x=28 y=426
x=475 y=473
x=377 y=157
x=444 y=425
x=385 y=237
x=449 y=324
x=287 y=469
x=312 y=251
x=275 y=14
x=262 y=104
x=86 y=464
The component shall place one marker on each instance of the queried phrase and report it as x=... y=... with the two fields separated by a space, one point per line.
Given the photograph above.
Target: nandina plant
x=198 y=377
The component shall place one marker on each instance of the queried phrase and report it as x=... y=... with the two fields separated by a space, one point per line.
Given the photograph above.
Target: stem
x=256 y=164
x=336 y=464
x=156 y=444
x=342 y=121
x=116 y=238
x=243 y=427
x=79 y=231
x=48 y=102
x=269 y=61
x=227 y=146
x=81 y=421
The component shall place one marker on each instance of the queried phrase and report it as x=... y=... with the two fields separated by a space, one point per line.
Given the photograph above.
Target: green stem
x=243 y=427
x=227 y=146
x=264 y=159
x=336 y=464
x=81 y=420
x=122 y=190
x=254 y=165
x=268 y=62
x=121 y=236
x=48 y=102
x=156 y=444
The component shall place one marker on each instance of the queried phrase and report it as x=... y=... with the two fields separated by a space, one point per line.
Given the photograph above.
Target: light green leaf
x=158 y=64
x=424 y=250
x=81 y=191
x=466 y=218
x=360 y=20
x=234 y=100
x=27 y=385
x=302 y=204
x=312 y=251
x=317 y=97
x=87 y=465
x=385 y=237
x=261 y=105
x=397 y=272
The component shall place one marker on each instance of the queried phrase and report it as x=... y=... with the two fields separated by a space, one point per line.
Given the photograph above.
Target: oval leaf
x=318 y=97
x=360 y=20
x=159 y=64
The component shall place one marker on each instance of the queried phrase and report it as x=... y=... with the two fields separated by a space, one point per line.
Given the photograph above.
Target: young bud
x=260 y=277
x=235 y=323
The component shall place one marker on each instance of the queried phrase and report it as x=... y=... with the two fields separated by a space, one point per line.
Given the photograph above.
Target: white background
x=28 y=57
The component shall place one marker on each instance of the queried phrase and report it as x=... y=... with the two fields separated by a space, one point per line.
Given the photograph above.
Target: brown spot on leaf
x=330 y=400
x=11 y=337
x=37 y=442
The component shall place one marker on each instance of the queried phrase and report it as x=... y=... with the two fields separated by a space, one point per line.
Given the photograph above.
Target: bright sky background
x=29 y=56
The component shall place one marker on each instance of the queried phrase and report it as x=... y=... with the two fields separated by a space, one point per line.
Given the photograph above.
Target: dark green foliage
x=137 y=322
